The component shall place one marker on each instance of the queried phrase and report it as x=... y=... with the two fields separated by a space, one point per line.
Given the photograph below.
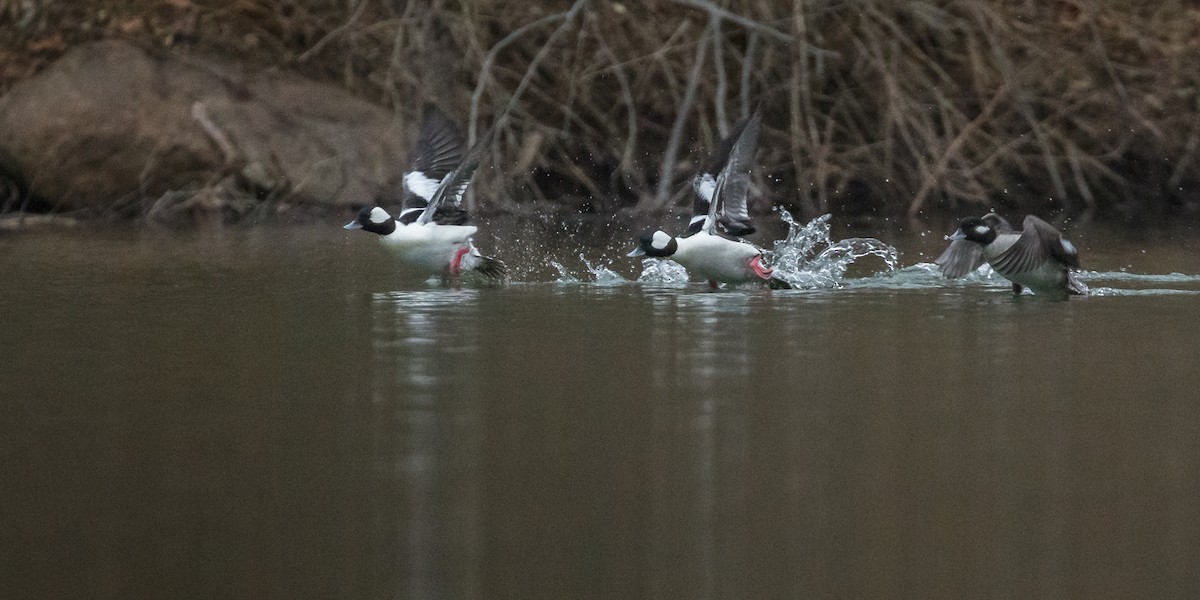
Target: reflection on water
x=425 y=429
x=253 y=417
x=700 y=339
x=413 y=329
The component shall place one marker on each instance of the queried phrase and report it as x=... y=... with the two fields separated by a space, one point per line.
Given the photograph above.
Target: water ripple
x=1138 y=277
x=1108 y=291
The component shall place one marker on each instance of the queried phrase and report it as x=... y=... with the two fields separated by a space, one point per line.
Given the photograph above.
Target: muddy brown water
x=277 y=413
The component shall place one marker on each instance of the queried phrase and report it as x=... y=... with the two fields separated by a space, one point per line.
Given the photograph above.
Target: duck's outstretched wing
x=1038 y=243
x=439 y=149
x=449 y=192
x=723 y=183
x=959 y=258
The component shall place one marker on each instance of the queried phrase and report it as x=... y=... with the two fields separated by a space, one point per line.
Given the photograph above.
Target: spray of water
x=662 y=272
x=564 y=276
x=602 y=274
x=809 y=258
x=598 y=274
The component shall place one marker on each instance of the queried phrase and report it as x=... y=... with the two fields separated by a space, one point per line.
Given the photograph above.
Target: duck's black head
x=975 y=229
x=658 y=244
x=373 y=219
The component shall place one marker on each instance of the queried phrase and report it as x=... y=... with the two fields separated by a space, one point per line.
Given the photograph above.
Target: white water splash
x=602 y=274
x=662 y=271
x=597 y=274
x=809 y=258
x=564 y=276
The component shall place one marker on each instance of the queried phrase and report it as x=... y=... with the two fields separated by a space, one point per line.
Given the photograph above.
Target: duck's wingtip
x=492 y=268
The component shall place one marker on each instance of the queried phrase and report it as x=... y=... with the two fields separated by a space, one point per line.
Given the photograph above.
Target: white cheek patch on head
x=379 y=216
x=659 y=240
x=981 y=229
x=1069 y=248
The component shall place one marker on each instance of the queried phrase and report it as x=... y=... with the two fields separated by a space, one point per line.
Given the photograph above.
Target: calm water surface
x=277 y=414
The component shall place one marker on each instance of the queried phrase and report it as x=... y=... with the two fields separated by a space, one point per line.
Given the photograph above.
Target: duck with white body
x=721 y=188
x=431 y=248
x=707 y=255
x=431 y=233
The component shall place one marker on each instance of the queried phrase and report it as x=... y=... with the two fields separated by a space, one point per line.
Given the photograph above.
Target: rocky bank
x=112 y=128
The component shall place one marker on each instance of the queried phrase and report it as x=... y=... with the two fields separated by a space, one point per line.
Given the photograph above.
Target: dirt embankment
x=874 y=108
x=111 y=128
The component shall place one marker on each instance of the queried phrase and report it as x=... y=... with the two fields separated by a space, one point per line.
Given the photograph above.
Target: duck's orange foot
x=456 y=263
x=760 y=269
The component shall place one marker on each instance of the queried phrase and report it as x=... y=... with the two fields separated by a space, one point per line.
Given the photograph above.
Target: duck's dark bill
x=957 y=235
x=637 y=252
x=353 y=225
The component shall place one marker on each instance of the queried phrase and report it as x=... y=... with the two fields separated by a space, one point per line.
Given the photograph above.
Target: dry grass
x=877 y=105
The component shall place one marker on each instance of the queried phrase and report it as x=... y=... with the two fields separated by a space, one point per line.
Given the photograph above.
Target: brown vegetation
x=881 y=106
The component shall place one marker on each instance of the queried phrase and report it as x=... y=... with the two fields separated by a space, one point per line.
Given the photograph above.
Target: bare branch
x=485 y=71
x=627 y=97
x=939 y=168
x=335 y=34
x=717 y=12
x=748 y=66
x=718 y=43
x=662 y=196
x=200 y=114
x=568 y=17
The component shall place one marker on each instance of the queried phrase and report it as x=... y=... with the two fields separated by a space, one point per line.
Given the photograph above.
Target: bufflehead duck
x=721 y=187
x=1036 y=257
x=430 y=232
x=963 y=256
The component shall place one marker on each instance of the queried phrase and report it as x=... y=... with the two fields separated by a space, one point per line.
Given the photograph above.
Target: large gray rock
x=111 y=126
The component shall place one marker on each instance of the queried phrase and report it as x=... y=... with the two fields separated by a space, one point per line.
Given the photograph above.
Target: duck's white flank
x=716 y=258
x=431 y=246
